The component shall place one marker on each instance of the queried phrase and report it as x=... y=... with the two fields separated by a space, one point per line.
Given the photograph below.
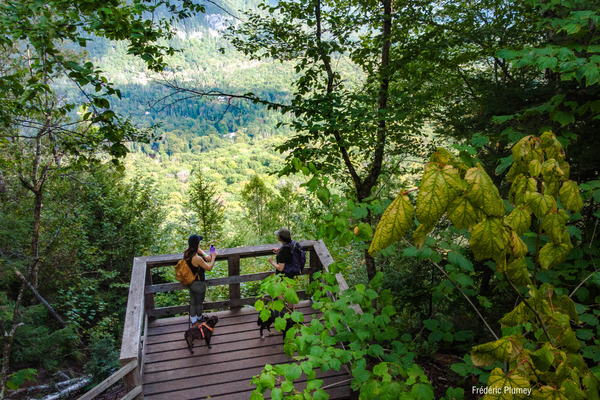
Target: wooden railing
x=141 y=309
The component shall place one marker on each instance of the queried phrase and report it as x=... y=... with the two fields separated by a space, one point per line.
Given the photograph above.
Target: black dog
x=204 y=330
x=267 y=324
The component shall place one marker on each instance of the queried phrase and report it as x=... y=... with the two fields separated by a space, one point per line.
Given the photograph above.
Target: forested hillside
x=444 y=151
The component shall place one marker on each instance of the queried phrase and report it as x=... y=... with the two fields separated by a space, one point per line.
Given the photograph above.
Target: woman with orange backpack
x=197 y=265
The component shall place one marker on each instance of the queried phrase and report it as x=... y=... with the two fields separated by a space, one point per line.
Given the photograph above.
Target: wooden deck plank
x=223 y=321
x=200 y=380
x=335 y=393
x=179 y=330
x=234 y=365
x=225 y=371
x=178 y=341
x=232 y=315
x=208 y=359
x=231 y=388
x=182 y=353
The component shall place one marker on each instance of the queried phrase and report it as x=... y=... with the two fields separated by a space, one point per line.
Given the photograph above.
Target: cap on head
x=284 y=233
x=194 y=240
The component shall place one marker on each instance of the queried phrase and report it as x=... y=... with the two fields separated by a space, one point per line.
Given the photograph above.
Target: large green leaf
x=554 y=226
x=540 y=204
x=503 y=349
x=518 y=273
x=503 y=387
x=482 y=192
x=519 y=219
x=568 y=340
x=488 y=239
x=462 y=213
x=519 y=315
x=553 y=254
x=395 y=222
x=438 y=187
x=542 y=358
x=570 y=197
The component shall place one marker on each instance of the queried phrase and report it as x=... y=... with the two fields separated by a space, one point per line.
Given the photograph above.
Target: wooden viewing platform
x=156 y=362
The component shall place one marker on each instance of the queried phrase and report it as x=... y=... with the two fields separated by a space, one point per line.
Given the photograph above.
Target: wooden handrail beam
x=166 y=260
x=111 y=380
x=214 y=305
x=227 y=280
x=134 y=316
x=132 y=395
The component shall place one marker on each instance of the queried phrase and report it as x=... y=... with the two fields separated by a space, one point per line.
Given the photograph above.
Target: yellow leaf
x=552 y=147
x=461 y=213
x=554 y=227
x=488 y=239
x=395 y=222
x=435 y=192
x=525 y=151
x=504 y=349
x=570 y=197
x=503 y=387
x=444 y=157
x=517 y=247
x=535 y=168
x=518 y=273
x=420 y=235
x=482 y=192
x=519 y=219
x=540 y=204
x=549 y=393
x=553 y=254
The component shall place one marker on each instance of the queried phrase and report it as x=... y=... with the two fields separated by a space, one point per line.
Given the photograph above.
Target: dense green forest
x=444 y=152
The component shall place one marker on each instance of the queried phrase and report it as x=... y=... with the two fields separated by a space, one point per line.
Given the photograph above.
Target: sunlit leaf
x=553 y=254
x=498 y=382
x=482 y=192
x=504 y=349
x=395 y=222
x=519 y=219
x=570 y=197
x=488 y=239
x=438 y=187
x=462 y=213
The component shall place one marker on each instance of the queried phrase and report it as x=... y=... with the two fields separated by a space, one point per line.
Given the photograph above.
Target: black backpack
x=298 y=259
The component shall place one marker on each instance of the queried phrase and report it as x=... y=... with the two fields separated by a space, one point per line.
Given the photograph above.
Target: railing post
x=314 y=263
x=233 y=265
x=133 y=379
x=149 y=297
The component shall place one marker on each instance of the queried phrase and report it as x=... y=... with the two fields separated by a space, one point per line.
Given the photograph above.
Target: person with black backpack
x=291 y=258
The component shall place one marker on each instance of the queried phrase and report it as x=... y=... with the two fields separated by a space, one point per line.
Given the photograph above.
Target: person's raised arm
x=199 y=262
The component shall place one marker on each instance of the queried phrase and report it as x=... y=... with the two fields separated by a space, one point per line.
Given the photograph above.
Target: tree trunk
x=51 y=310
x=364 y=189
x=35 y=239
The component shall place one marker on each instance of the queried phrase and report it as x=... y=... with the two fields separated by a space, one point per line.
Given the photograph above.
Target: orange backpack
x=183 y=273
